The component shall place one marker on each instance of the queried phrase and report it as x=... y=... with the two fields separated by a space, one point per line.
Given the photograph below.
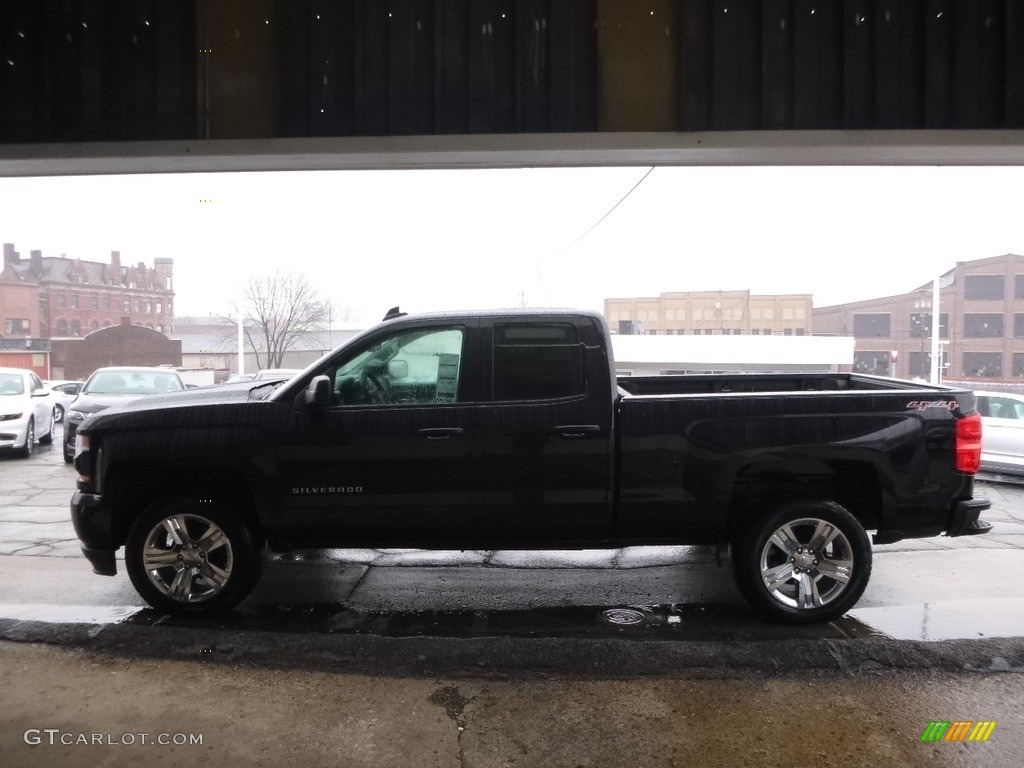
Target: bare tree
x=280 y=308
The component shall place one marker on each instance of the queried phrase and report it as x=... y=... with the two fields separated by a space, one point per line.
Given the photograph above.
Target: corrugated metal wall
x=84 y=70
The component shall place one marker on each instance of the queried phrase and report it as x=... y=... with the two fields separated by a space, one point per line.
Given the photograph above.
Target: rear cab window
x=537 y=361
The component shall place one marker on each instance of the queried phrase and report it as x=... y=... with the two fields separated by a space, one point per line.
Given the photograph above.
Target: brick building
x=981 y=325
x=123 y=344
x=57 y=297
x=711 y=313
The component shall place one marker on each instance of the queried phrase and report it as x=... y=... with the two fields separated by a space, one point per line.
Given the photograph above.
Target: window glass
x=415 y=366
x=983 y=287
x=537 y=362
x=871 y=325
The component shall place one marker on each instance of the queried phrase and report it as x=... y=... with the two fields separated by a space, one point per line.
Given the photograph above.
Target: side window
x=416 y=366
x=1003 y=408
x=537 y=362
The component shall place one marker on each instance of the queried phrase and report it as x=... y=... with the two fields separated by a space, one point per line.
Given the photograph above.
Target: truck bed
x=705 y=384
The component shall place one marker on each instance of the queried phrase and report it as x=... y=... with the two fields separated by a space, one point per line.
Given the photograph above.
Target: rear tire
x=807 y=561
x=192 y=558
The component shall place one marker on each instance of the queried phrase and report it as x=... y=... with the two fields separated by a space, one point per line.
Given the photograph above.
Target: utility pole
x=935 y=332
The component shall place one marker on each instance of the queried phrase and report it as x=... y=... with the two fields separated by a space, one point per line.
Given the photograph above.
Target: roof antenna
x=393 y=313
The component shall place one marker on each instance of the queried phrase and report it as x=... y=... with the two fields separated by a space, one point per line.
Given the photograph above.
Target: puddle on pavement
x=714 y=622
x=947 y=620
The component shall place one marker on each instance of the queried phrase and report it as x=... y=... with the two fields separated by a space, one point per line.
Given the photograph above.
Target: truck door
x=389 y=462
x=542 y=451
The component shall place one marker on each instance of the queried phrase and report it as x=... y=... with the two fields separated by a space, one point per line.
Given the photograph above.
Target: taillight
x=968 y=443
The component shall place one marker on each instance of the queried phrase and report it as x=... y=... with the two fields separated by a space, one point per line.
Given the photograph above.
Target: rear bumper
x=965 y=520
x=93 y=525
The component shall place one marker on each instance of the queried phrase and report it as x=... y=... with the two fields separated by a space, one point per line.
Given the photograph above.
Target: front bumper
x=94 y=526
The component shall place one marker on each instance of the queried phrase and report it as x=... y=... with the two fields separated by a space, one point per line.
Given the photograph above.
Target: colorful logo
x=958 y=730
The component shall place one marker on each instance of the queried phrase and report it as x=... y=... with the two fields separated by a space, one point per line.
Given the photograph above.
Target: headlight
x=77 y=415
x=10 y=416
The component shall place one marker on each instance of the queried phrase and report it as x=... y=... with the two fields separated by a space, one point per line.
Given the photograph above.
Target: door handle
x=573 y=431
x=439 y=433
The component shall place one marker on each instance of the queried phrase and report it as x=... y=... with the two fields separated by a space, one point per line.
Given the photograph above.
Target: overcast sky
x=437 y=240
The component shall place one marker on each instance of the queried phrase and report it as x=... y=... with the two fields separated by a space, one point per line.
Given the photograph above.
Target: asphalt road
x=366 y=657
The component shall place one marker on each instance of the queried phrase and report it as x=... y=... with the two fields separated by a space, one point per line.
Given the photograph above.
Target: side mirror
x=398 y=369
x=318 y=394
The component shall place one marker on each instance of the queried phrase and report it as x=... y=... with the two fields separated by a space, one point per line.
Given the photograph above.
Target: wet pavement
x=641 y=656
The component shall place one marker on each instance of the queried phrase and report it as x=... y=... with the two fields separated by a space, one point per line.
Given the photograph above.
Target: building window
x=868 y=326
x=1018 y=365
x=94 y=325
x=985 y=364
x=76 y=328
x=984 y=287
x=766 y=332
x=106 y=303
x=127 y=305
x=159 y=308
x=875 y=363
x=921 y=325
x=1018 y=325
x=17 y=325
x=799 y=331
x=983 y=326
x=755 y=331
x=95 y=302
x=62 y=327
x=1018 y=286
x=61 y=300
x=74 y=301
x=787 y=331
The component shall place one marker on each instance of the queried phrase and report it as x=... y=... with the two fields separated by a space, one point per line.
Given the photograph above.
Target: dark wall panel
x=122 y=70
x=777 y=64
x=572 y=71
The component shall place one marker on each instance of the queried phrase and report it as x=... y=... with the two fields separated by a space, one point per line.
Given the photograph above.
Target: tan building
x=711 y=313
x=981 y=325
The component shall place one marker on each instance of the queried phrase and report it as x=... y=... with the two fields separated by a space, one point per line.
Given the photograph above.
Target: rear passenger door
x=542 y=464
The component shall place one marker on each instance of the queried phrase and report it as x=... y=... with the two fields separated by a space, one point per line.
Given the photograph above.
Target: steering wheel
x=376 y=385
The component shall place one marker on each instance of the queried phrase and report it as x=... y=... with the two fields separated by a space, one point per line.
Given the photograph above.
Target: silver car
x=1002 y=431
x=26 y=411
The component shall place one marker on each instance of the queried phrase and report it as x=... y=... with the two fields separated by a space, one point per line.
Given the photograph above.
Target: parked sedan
x=62 y=394
x=1002 y=431
x=26 y=413
x=115 y=386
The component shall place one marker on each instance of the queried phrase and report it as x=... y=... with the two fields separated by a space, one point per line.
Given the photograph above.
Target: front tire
x=30 y=440
x=192 y=558
x=805 y=562
x=47 y=439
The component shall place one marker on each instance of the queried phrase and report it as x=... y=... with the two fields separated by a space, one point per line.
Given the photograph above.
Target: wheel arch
x=759 y=488
x=137 y=488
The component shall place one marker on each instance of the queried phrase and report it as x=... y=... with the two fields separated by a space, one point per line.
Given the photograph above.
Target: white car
x=26 y=412
x=62 y=394
x=1002 y=431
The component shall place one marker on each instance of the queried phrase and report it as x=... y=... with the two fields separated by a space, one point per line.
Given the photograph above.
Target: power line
x=610 y=210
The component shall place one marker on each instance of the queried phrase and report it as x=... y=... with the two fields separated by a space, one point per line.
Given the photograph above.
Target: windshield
x=132 y=383
x=12 y=384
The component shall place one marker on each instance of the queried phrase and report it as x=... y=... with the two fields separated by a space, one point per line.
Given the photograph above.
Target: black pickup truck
x=494 y=430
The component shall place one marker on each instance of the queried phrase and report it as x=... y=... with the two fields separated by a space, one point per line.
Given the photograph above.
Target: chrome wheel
x=804 y=561
x=193 y=556
x=807 y=563
x=188 y=558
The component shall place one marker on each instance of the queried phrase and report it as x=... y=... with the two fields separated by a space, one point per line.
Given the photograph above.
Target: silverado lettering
x=489 y=430
x=328 y=490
